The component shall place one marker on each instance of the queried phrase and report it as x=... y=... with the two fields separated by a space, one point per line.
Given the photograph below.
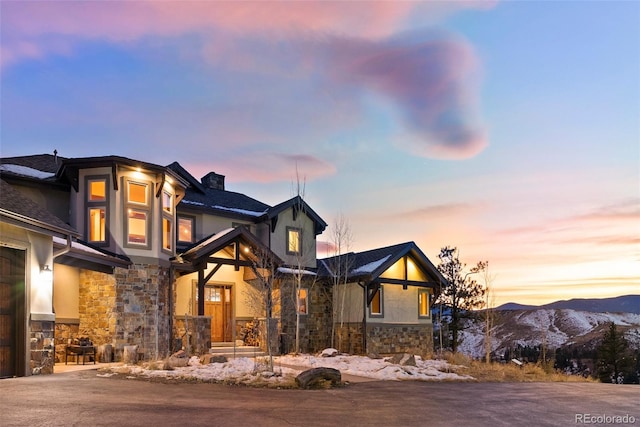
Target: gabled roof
x=193 y=182
x=369 y=265
x=20 y=210
x=298 y=203
x=216 y=242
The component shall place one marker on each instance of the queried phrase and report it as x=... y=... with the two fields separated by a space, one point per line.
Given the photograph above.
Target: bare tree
x=339 y=266
x=259 y=297
x=303 y=256
x=489 y=313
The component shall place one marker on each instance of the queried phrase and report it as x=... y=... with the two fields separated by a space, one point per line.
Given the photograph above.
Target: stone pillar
x=42 y=346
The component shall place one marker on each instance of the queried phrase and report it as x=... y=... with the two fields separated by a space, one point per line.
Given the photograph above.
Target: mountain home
x=129 y=253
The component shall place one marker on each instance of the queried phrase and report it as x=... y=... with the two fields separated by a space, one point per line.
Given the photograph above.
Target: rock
x=403 y=359
x=317 y=376
x=212 y=358
x=177 y=362
x=329 y=352
x=130 y=354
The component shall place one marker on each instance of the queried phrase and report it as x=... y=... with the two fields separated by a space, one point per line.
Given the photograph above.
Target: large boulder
x=316 y=377
x=403 y=359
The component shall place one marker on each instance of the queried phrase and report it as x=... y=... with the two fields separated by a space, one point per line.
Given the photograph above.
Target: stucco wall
x=66 y=282
x=279 y=238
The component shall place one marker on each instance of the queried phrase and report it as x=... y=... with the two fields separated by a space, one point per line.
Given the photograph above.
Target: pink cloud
x=432 y=83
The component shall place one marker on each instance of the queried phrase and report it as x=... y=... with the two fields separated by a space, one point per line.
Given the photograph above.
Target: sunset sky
x=510 y=130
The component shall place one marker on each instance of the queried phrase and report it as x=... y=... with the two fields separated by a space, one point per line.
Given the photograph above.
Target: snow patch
x=26 y=171
x=370 y=267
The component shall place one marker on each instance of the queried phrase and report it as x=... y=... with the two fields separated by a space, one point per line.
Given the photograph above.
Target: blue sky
x=507 y=129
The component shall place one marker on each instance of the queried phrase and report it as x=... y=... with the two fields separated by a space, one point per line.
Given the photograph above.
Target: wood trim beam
x=114 y=174
x=371 y=292
x=227 y=261
x=410 y=283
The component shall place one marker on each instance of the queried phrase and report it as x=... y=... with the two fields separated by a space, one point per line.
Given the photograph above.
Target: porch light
x=46 y=276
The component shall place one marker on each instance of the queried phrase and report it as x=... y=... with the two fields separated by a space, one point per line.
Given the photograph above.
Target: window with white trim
x=186 y=229
x=167 y=221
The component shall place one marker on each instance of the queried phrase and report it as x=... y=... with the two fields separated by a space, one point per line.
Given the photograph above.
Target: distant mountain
x=554 y=327
x=622 y=304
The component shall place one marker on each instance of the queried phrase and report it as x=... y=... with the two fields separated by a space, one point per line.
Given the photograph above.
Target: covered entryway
x=12 y=312
x=218 y=305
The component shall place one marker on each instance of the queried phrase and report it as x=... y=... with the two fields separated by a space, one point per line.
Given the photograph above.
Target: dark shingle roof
x=17 y=206
x=320 y=224
x=372 y=263
x=42 y=162
x=227 y=203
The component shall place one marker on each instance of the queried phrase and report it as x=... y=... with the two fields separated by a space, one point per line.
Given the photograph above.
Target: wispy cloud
x=308 y=65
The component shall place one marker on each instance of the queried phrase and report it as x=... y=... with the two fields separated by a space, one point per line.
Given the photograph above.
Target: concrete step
x=239 y=351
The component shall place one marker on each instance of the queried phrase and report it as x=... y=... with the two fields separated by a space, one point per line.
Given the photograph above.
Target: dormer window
x=97 y=222
x=294 y=241
x=138 y=214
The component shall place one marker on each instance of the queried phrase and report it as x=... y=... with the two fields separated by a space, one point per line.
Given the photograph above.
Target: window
x=167 y=221
x=424 y=309
x=97 y=224
x=97 y=207
x=375 y=309
x=186 y=229
x=167 y=233
x=294 y=241
x=137 y=227
x=137 y=193
x=167 y=202
x=303 y=301
x=138 y=214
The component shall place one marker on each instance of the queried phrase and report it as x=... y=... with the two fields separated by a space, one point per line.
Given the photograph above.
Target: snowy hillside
x=556 y=328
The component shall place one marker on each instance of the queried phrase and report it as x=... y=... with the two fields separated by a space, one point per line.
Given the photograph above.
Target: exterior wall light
x=46 y=276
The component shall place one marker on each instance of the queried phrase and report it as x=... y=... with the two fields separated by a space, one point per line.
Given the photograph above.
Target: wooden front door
x=217 y=304
x=12 y=320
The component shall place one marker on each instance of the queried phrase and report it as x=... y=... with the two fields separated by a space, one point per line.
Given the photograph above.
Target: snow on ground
x=253 y=371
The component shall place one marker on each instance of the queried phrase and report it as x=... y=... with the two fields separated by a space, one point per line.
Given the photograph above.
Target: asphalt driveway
x=82 y=398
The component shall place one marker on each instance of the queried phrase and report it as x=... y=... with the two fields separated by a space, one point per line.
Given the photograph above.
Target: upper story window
x=167 y=221
x=294 y=241
x=138 y=214
x=97 y=205
x=167 y=202
x=186 y=229
x=424 y=310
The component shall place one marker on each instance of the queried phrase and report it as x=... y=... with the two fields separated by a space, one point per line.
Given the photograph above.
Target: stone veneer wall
x=63 y=333
x=192 y=333
x=42 y=347
x=386 y=338
x=407 y=338
x=129 y=307
x=315 y=326
x=349 y=338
